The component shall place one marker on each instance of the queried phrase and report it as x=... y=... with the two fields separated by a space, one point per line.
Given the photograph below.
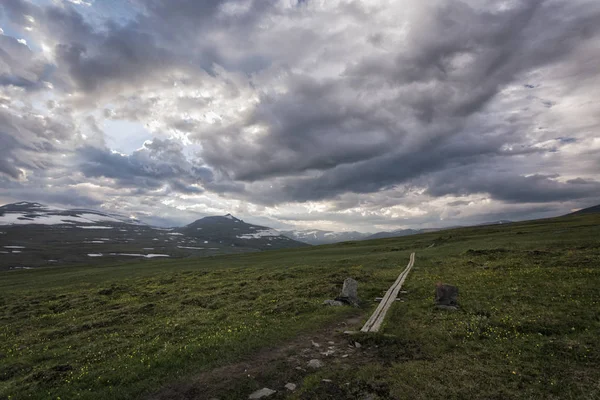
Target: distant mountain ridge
x=25 y=213
x=33 y=234
x=317 y=236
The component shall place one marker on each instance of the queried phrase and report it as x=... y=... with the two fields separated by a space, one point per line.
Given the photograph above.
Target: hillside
x=235 y=232
x=589 y=210
x=33 y=235
x=226 y=326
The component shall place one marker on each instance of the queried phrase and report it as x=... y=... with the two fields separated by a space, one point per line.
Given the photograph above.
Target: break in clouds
x=362 y=115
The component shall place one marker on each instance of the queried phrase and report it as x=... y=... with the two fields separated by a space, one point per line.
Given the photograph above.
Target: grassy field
x=528 y=326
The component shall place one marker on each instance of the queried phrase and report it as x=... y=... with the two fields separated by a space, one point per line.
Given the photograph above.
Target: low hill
x=589 y=210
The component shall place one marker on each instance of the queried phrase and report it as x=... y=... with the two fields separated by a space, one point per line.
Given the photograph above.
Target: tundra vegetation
x=527 y=326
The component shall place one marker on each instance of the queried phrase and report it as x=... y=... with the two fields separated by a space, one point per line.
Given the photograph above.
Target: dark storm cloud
x=312 y=128
x=455 y=62
x=511 y=188
x=165 y=36
x=312 y=102
x=157 y=163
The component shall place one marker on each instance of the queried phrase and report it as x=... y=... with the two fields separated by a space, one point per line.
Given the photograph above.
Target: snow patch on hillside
x=259 y=234
x=140 y=255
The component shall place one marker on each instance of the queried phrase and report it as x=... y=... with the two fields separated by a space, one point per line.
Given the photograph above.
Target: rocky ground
x=280 y=372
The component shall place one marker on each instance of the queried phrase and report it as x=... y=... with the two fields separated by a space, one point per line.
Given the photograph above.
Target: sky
x=302 y=114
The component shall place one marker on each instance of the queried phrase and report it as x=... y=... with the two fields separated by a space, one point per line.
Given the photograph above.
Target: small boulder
x=264 y=392
x=290 y=386
x=446 y=295
x=349 y=292
x=315 y=364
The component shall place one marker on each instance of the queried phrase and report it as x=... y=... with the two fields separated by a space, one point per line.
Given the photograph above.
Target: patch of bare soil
x=275 y=367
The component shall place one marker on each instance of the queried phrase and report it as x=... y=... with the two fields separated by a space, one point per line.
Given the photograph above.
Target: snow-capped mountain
x=26 y=213
x=316 y=236
x=32 y=234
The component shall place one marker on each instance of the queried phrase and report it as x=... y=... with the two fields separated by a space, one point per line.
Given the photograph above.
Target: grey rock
x=349 y=292
x=290 y=386
x=264 y=392
x=333 y=303
x=446 y=295
x=315 y=343
x=357 y=345
x=315 y=364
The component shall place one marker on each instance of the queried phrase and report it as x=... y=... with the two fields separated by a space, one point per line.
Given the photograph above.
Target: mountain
x=26 y=213
x=589 y=210
x=235 y=232
x=32 y=235
x=316 y=236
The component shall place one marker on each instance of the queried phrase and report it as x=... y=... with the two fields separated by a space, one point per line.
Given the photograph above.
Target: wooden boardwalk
x=374 y=323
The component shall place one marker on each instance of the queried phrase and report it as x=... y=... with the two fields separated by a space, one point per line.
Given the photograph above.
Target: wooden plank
x=375 y=321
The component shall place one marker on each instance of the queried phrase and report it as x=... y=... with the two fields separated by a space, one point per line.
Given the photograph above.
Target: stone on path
x=446 y=295
x=315 y=364
x=264 y=392
x=290 y=386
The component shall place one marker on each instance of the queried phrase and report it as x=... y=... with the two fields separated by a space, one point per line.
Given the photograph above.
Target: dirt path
x=274 y=367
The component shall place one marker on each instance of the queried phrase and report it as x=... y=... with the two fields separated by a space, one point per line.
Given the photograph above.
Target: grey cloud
x=452 y=106
x=163 y=37
x=56 y=195
x=157 y=163
x=29 y=140
x=312 y=128
x=513 y=189
x=458 y=203
x=18 y=66
x=329 y=136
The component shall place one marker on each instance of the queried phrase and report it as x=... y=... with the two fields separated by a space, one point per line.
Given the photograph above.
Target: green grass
x=527 y=328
